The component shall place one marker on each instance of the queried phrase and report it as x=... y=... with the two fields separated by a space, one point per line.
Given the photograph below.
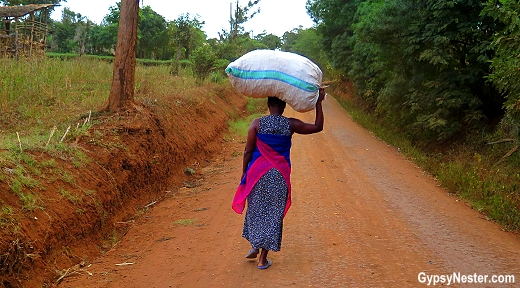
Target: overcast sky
x=276 y=16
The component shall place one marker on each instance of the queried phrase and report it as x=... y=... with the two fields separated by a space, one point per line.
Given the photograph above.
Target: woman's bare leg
x=262 y=260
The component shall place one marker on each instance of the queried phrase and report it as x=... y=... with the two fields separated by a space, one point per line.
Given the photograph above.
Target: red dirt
x=362 y=216
x=137 y=157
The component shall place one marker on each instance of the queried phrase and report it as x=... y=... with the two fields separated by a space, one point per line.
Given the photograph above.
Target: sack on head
x=288 y=76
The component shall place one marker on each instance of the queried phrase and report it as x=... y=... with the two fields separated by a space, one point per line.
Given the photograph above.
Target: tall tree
x=335 y=19
x=65 y=31
x=72 y=33
x=107 y=36
x=187 y=34
x=240 y=16
x=153 y=34
x=102 y=39
x=123 y=79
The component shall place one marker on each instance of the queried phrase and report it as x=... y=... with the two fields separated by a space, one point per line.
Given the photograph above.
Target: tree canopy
x=423 y=65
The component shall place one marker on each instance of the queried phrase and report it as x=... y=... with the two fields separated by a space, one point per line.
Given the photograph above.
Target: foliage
x=153 y=40
x=76 y=34
x=232 y=51
x=70 y=33
x=305 y=42
x=506 y=65
x=186 y=34
x=420 y=64
x=204 y=60
x=173 y=41
x=272 y=41
x=221 y=65
x=334 y=19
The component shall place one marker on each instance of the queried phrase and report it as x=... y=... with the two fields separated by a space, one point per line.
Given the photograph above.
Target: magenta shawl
x=276 y=154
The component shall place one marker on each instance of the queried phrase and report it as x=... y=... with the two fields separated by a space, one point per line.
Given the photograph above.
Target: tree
x=123 y=79
x=102 y=39
x=153 y=33
x=232 y=51
x=72 y=33
x=107 y=37
x=335 y=19
x=187 y=34
x=421 y=64
x=270 y=40
x=506 y=64
x=305 y=42
x=204 y=60
x=65 y=31
x=240 y=16
x=438 y=55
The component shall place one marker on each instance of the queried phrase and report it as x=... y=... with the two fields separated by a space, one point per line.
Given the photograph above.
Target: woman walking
x=265 y=180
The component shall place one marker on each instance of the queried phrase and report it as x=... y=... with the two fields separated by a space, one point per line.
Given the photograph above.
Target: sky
x=275 y=17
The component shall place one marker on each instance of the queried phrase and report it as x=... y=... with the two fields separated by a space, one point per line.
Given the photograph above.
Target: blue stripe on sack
x=272 y=75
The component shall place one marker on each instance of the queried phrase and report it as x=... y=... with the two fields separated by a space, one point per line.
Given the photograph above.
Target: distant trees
x=67 y=33
x=153 y=35
x=271 y=41
x=186 y=33
x=77 y=34
x=305 y=42
x=182 y=40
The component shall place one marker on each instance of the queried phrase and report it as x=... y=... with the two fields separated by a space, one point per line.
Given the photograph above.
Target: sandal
x=269 y=262
x=252 y=253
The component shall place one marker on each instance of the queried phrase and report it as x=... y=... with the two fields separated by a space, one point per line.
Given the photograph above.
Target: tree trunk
x=122 y=91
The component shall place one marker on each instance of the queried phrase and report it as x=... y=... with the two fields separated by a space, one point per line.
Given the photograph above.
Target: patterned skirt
x=265 y=210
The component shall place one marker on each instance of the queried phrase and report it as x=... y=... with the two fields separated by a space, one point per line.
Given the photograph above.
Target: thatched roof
x=19 y=11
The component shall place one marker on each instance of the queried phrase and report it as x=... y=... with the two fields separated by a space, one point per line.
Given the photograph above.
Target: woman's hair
x=275 y=101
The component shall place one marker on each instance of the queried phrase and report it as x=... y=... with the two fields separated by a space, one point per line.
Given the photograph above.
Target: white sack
x=288 y=76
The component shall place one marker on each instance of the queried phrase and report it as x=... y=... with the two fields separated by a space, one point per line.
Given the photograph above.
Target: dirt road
x=362 y=216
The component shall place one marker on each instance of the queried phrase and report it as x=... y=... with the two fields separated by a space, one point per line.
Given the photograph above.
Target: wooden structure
x=23 y=30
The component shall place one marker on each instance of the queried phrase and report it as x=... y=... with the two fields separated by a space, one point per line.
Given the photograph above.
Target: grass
x=74 y=199
x=109 y=59
x=257 y=107
x=469 y=170
x=62 y=94
x=7 y=217
x=45 y=104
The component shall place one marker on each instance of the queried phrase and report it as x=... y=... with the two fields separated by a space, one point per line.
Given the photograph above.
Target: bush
x=203 y=63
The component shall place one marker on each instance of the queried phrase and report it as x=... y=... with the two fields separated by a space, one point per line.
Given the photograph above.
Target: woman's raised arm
x=300 y=127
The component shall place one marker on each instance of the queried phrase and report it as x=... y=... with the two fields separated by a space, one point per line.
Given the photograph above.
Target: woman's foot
x=266 y=265
x=263 y=263
x=252 y=253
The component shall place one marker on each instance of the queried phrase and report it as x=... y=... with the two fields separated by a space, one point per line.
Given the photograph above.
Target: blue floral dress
x=266 y=202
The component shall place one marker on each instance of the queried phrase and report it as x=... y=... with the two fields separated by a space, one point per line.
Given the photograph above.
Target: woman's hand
x=321 y=95
x=300 y=127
